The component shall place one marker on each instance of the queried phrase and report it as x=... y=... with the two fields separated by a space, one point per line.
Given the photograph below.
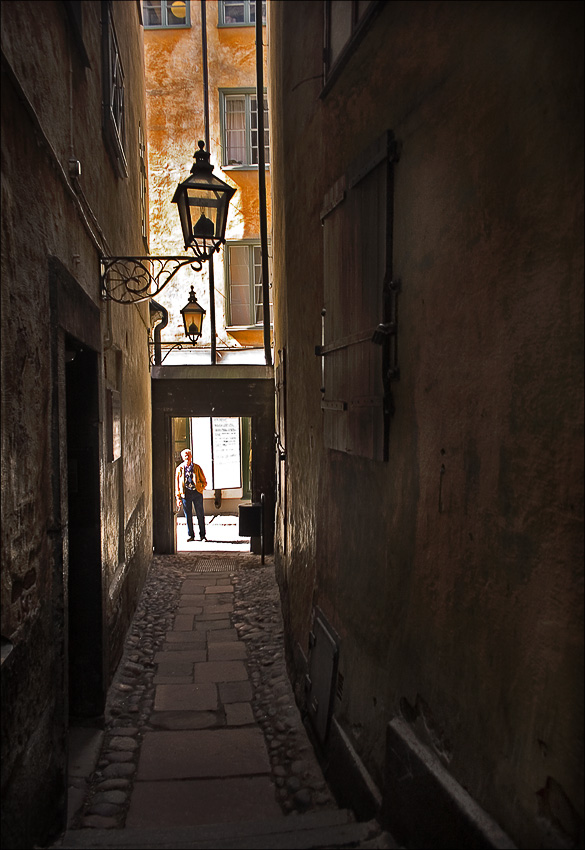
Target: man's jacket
x=198 y=477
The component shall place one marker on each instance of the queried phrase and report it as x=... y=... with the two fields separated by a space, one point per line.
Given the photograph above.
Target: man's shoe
x=204 y=540
x=190 y=539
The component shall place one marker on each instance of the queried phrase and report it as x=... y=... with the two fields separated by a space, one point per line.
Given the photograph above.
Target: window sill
x=237 y=26
x=252 y=335
x=243 y=167
x=169 y=27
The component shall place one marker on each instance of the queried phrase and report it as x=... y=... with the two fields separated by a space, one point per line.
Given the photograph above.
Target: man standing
x=190 y=482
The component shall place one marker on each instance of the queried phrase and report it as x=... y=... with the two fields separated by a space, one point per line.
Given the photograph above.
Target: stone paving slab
x=222 y=635
x=214 y=616
x=220 y=671
x=175 y=655
x=228 y=651
x=219 y=589
x=194 y=587
x=175 y=668
x=222 y=606
x=191 y=599
x=193 y=637
x=194 y=802
x=212 y=625
x=183 y=697
x=170 y=721
x=205 y=753
x=234 y=692
x=239 y=714
x=321 y=829
x=183 y=622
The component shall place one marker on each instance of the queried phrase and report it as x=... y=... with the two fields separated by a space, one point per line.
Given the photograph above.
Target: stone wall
x=452 y=572
x=54 y=229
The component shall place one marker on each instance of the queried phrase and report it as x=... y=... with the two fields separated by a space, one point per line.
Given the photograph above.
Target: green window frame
x=238 y=14
x=239 y=128
x=243 y=276
x=166 y=14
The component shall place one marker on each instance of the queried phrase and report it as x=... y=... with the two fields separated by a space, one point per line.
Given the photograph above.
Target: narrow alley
x=316 y=265
x=203 y=744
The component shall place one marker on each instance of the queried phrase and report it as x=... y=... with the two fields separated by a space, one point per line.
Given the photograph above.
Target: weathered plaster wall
x=51 y=112
x=453 y=572
x=176 y=122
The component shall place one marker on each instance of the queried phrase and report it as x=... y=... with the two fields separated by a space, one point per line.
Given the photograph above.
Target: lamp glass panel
x=192 y=317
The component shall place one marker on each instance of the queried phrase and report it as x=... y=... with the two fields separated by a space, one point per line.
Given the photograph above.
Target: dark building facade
x=427 y=164
x=76 y=412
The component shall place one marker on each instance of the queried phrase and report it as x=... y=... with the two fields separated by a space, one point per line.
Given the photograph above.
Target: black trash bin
x=250 y=517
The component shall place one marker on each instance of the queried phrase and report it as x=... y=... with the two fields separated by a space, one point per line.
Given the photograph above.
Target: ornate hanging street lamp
x=203 y=200
x=193 y=314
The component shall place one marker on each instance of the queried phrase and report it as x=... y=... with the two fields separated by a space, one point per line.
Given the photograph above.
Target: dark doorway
x=86 y=678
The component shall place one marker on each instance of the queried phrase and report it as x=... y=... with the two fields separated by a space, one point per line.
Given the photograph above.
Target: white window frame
x=248 y=96
x=256 y=319
x=249 y=14
x=164 y=7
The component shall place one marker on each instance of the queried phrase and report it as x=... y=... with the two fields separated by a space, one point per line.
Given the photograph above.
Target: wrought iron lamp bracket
x=158 y=360
x=129 y=280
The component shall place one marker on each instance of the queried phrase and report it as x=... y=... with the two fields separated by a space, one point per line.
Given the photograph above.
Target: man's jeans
x=194 y=499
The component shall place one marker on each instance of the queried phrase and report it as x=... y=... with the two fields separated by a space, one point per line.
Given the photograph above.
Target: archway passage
x=221 y=445
x=212 y=393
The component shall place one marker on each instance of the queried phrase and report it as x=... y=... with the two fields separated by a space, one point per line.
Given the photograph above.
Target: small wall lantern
x=203 y=200
x=193 y=314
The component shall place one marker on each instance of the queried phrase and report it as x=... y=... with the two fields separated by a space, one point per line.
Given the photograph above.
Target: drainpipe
x=206 y=111
x=158 y=328
x=262 y=182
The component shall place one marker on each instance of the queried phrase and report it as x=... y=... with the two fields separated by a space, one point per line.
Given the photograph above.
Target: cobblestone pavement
x=298 y=781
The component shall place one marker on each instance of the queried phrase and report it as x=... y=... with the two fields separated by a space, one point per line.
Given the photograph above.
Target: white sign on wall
x=216 y=448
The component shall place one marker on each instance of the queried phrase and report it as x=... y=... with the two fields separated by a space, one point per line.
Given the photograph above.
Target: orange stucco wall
x=176 y=121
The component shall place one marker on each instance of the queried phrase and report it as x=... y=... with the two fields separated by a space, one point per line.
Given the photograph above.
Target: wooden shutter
x=356 y=218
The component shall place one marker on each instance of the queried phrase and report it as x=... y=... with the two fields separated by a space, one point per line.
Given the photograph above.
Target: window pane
x=258 y=291
x=254 y=131
x=239 y=282
x=234 y=13
x=340 y=26
x=176 y=13
x=152 y=13
x=258 y=300
x=235 y=130
x=253 y=12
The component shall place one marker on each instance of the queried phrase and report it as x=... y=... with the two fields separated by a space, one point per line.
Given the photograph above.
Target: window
x=244 y=280
x=239 y=118
x=345 y=22
x=166 y=13
x=74 y=9
x=143 y=185
x=239 y=14
x=114 y=120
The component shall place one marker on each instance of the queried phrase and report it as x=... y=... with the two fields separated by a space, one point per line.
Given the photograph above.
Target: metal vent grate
x=215 y=565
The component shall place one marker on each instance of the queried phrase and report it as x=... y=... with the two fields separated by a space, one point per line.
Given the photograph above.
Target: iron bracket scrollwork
x=157 y=359
x=129 y=280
